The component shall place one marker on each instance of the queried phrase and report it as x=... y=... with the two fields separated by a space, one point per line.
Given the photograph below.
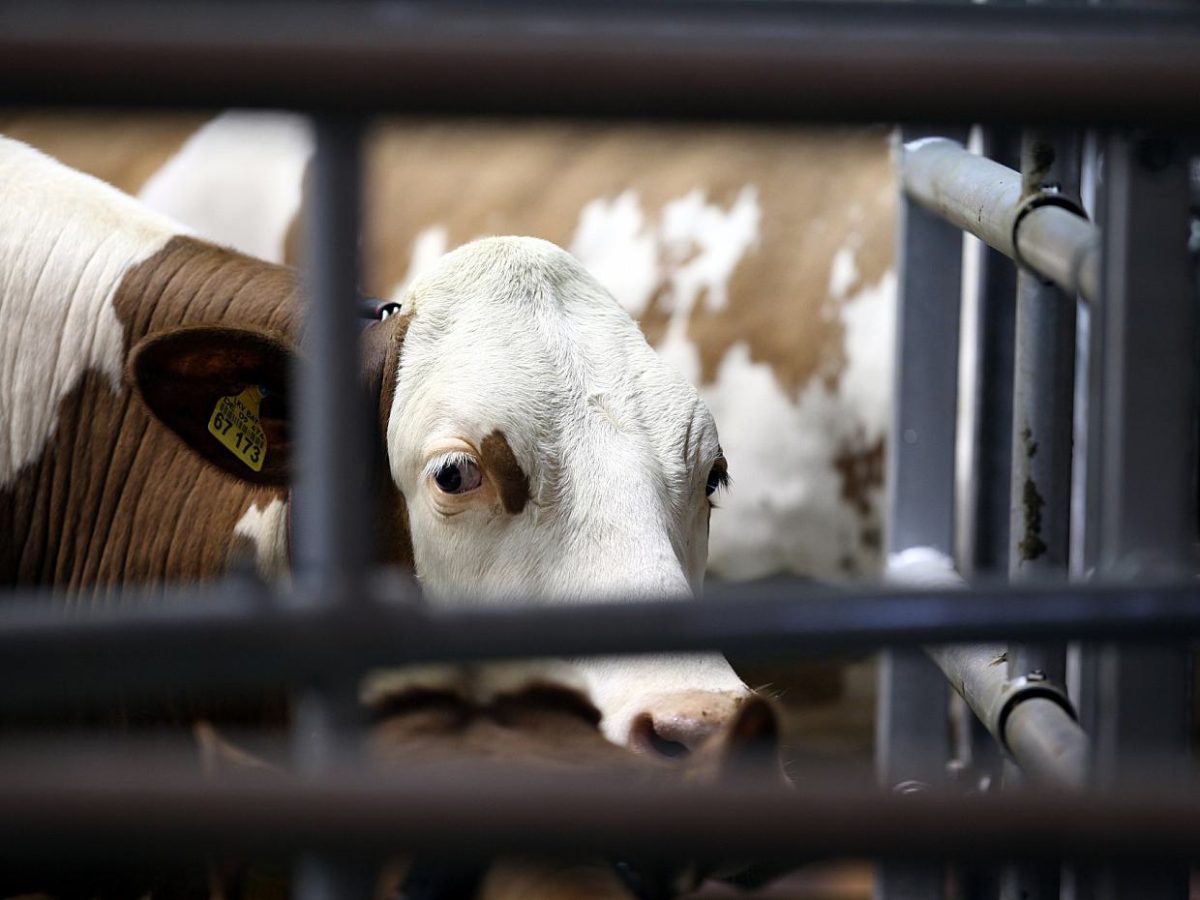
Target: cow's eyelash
x=455 y=458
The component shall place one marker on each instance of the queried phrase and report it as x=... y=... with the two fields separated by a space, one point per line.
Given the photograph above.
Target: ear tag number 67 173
x=235 y=423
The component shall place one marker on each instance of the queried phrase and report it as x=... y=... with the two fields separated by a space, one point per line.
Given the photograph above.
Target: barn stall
x=1083 y=686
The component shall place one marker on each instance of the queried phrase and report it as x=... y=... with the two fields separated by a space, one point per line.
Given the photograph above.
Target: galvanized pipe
x=912 y=741
x=1040 y=491
x=1050 y=742
x=984 y=198
x=1030 y=720
x=1043 y=407
x=990 y=465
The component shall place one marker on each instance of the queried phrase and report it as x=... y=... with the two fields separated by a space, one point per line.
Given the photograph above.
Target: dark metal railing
x=861 y=61
x=777 y=61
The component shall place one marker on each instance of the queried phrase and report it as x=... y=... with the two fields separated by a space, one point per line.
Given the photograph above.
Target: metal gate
x=1132 y=75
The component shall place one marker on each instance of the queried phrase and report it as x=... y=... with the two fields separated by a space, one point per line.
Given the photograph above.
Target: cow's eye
x=457 y=474
x=718 y=477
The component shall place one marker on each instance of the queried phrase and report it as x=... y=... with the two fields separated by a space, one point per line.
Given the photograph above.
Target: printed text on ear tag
x=235 y=424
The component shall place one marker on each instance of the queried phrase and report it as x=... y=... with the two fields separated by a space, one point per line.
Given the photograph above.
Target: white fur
x=66 y=240
x=237 y=180
x=618 y=246
x=428 y=247
x=513 y=334
x=266 y=528
x=786 y=511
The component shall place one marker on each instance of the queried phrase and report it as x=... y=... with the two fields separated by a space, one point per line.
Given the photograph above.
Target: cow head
x=536 y=450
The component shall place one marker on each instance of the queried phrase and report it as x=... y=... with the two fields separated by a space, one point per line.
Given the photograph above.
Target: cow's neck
x=109 y=496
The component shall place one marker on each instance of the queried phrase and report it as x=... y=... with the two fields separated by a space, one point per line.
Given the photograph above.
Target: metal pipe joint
x=1016 y=691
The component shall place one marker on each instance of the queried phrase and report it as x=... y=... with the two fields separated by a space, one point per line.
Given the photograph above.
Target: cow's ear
x=752 y=742
x=224 y=392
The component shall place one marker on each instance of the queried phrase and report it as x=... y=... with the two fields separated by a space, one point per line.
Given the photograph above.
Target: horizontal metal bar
x=221 y=636
x=984 y=198
x=493 y=810
x=739 y=60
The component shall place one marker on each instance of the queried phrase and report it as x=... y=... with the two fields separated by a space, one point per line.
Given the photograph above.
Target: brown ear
x=182 y=374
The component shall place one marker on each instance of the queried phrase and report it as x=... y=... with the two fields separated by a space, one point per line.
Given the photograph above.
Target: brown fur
x=118 y=499
x=381 y=348
x=481 y=178
x=512 y=484
x=115 y=498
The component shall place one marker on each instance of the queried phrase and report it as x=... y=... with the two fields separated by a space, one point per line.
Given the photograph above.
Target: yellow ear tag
x=235 y=424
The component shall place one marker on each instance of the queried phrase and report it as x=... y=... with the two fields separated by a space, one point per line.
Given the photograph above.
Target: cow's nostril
x=646 y=739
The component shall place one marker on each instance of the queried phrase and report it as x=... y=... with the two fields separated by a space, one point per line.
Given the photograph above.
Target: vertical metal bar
x=1147 y=457
x=330 y=535
x=330 y=527
x=1042 y=427
x=1085 y=530
x=991 y=438
x=988 y=475
x=912 y=734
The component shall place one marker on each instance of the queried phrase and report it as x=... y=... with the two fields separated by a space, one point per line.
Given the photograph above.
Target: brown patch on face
x=124 y=149
x=512 y=484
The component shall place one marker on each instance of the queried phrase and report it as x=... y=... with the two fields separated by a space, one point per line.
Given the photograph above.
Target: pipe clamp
x=1017 y=690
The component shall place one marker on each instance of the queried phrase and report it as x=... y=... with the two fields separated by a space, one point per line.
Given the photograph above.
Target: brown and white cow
x=756 y=259
x=535 y=447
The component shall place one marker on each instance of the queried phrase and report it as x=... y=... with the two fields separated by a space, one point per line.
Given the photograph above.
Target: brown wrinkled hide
x=512 y=484
x=115 y=498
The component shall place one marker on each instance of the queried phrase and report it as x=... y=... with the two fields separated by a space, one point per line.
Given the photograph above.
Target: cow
x=757 y=260
x=530 y=443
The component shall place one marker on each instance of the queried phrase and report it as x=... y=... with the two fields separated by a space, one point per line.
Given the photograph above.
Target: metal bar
x=1147 y=460
x=867 y=61
x=991 y=437
x=88 y=818
x=1039 y=733
x=207 y=637
x=330 y=535
x=1042 y=431
x=986 y=479
x=1043 y=410
x=912 y=734
x=985 y=199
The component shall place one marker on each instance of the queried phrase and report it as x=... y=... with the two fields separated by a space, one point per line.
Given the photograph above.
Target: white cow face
x=542 y=451
x=547 y=454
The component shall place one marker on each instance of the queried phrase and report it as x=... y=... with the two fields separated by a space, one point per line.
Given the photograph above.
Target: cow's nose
x=674 y=725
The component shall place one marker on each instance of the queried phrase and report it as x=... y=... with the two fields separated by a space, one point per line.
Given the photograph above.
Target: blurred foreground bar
x=230 y=634
x=864 y=61
x=95 y=815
